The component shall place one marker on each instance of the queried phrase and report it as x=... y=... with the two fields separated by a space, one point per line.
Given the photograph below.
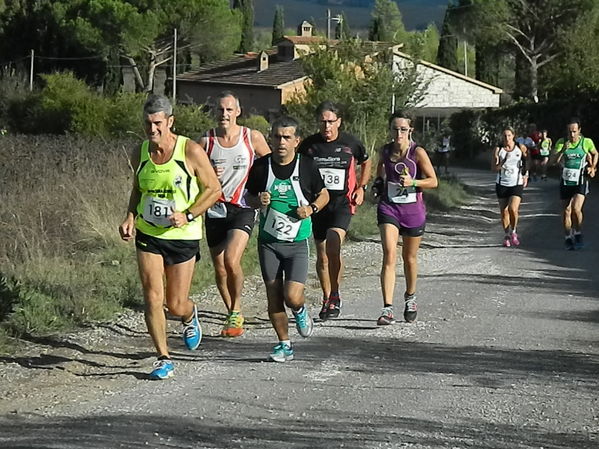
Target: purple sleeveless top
x=407 y=215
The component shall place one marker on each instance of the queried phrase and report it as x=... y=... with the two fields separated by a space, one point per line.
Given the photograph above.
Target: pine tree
x=247 y=24
x=387 y=24
x=278 y=25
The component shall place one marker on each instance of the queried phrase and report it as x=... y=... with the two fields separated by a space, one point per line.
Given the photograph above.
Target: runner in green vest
x=577 y=157
x=174 y=184
x=545 y=146
x=288 y=189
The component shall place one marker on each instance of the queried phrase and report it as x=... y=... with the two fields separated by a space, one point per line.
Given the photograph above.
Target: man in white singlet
x=231 y=149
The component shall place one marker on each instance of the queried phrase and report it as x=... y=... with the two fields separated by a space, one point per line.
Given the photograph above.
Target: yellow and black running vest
x=166 y=188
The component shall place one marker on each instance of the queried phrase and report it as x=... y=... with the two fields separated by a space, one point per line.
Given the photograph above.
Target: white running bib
x=157 y=211
x=571 y=174
x=334 y=178
x=219 y=210
x=400 y=195
x=281 y=226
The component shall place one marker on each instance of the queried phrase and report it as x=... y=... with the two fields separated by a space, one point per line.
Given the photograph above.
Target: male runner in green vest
x=577 y=156
x=288 y=189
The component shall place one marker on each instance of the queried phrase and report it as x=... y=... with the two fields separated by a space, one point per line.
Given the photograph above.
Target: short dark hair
x=400 y=113
x=286 y=122
x=328 y=105
x=574 y=121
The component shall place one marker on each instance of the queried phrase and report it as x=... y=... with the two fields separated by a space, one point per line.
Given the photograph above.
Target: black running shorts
x=335 y=215
x=237 y=218
x=172 y=251
x=506 y=192
x=567 y=192
x=284 y=260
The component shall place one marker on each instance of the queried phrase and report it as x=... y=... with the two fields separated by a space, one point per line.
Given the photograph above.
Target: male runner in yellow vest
x=174 y=184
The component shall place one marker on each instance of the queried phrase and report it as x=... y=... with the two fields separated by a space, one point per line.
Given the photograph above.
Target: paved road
x=504 y=355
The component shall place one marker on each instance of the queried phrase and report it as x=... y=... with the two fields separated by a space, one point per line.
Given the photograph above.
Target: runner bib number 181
x=157 y=210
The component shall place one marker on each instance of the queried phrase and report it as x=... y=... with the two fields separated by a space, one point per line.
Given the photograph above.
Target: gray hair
x=158 y=103
x=228 y=93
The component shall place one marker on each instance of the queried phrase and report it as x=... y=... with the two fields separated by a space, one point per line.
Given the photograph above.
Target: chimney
x=262 y=61
x=305 y=29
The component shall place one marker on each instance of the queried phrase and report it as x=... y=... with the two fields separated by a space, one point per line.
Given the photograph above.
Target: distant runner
x=577 y=157
x=509 y=160
x=545 y=146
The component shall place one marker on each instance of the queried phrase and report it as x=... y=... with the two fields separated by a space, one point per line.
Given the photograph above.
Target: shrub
x=256 y=122
x=192 y=121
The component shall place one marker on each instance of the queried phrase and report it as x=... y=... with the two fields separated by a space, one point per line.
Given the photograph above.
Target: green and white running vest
x=575 y=160
x=279 y=221
x=166 y=188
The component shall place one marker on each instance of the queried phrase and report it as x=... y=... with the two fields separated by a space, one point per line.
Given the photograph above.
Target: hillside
x=417 y=14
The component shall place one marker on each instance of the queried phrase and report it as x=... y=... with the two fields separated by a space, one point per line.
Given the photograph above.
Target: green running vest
x=166 y=188
x=279 y=221
x=575 y=159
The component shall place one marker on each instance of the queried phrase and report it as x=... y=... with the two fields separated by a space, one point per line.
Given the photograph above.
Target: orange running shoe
x=233 y=326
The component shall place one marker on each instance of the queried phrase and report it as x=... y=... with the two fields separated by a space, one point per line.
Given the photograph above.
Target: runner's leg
x=389 y=239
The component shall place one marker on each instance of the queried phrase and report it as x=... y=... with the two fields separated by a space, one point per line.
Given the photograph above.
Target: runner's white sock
x=286 y=342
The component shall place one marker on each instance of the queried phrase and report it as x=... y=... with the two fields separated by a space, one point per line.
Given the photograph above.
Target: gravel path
x=504 y=355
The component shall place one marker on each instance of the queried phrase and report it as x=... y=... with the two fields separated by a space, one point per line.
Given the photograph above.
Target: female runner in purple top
x=404 y=169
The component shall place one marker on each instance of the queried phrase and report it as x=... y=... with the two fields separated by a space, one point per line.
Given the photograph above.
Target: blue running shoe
x=192 y=332
x=281 y=353
x=303 y=322
x=163 y=369
x=578 y=242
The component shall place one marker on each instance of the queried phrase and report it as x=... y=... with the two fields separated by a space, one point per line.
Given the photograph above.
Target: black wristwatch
x=364 y=187
x=314 y=208
x=189 y=217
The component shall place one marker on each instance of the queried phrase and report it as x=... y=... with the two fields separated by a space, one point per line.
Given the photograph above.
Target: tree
x=342 y=30
x=424 y=44
x=278 y=25
x=387 y=24
x=247 y=24
x=535 y=29
x=448 y=43
x=360 y=76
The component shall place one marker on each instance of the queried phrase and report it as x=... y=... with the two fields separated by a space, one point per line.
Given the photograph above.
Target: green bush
x=256 y=122
x=192 y=121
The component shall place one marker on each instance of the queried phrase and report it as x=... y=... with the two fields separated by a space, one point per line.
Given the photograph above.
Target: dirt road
x=504 y=354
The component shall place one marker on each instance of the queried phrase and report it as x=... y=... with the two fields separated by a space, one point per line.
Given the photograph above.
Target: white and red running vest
x=236 y=162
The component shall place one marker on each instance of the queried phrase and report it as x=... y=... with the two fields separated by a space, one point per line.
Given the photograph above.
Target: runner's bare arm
x=358 y=195
x=198 y=162
x=425 y=166
x=259 y=143
x=127 y=228
x=495 y=162
x=322 y=199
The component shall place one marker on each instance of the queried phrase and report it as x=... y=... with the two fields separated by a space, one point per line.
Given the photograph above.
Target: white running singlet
x=510 y=174
x=236 y=162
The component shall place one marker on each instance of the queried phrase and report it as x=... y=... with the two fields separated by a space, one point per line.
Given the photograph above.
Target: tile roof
x=243 y=69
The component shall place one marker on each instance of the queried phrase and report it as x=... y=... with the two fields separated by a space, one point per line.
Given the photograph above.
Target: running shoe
x=386 y=316
x=334 y=306
x=325 y=308
x=410 y=308
x=506 y=241
x=578 y=242
x=544 y=177
x=281 y=353
x=569 y=243
x=514 y=239
x=233 y=326
x=303 y=322
x=192 y=331
x=163 y=369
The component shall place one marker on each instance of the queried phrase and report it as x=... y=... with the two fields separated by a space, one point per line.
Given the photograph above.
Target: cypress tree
x=247 y=24
x=278 y=25
x=447 y=54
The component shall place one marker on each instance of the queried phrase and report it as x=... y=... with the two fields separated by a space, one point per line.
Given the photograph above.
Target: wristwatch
x=364 y=187
x=314 y=208
x=189 y=217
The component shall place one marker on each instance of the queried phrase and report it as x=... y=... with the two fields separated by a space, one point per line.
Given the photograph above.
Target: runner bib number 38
x=334 y=178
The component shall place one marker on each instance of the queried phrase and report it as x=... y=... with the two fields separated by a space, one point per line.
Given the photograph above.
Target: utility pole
x=328 y=24
x=31 y=71
x=175 y=67
x=465 y=58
